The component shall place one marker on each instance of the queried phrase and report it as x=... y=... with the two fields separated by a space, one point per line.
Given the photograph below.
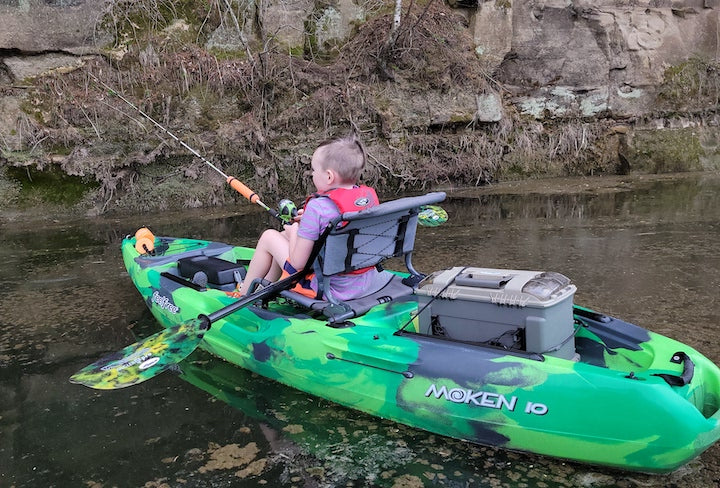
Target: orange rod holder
x=234 y=183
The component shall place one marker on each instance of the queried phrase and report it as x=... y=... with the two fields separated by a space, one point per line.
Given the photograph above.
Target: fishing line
x=234 y=183
x=432 y=299
x=157 y=124
x=429 y=216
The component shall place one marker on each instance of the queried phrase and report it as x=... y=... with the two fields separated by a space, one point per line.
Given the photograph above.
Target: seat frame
x=362 y=239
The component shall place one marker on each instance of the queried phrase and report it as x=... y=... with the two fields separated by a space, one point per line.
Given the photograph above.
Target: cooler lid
x=501 y=286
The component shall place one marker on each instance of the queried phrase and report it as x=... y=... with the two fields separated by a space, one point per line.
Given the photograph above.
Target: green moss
x=311 y=48
x=49 y=186
x=60 y=149
x=228 y=54
x=34 y=109
x=15 y=157
x=138 y=19
x=523 y=166
x=296 y=51
x=466 y=118
x=163 y=185
x=666 y=151
x=9 y=190
x=692 y=84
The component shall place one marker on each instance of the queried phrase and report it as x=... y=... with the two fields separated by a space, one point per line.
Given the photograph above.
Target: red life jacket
x=350 y=200
x=346 y=200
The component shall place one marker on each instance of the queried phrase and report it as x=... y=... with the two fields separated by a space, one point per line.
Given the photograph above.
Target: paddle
x=148 y=358
x=432 y=216
x=144 y=359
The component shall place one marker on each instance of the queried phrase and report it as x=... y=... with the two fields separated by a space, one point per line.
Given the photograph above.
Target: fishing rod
x=430 y=215
x=287 y=210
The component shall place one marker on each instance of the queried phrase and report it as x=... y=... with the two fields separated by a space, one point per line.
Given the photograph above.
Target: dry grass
x=259 y=112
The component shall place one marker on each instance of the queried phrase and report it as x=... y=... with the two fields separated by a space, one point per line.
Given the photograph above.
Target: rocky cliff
x=464 y=93
x=597 y=57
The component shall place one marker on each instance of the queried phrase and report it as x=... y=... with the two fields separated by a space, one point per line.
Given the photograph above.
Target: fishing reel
x=287 y=211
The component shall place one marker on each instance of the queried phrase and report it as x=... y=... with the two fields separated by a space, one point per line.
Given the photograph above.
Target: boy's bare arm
x=299 y=248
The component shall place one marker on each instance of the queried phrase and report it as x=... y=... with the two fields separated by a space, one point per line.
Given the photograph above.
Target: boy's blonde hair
x=345 y=155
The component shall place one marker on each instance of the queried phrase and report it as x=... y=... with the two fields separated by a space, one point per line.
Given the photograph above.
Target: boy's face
x=323 y=178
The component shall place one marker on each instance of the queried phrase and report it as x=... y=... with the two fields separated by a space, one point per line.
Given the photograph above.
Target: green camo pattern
x=144 y=359
x=608 y=408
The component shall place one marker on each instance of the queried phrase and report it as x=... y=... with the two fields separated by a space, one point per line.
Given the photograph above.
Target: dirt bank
x=423 y=104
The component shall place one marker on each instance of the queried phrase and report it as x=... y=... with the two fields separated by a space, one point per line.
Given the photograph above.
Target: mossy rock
x=691 y=85
x=9 y=190
x=32 y=186
x=666 y=151
x=170 y=183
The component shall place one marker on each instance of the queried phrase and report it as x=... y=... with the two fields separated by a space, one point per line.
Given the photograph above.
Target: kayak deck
x=613 y=402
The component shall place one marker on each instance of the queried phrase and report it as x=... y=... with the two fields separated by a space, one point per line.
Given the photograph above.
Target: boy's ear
x=332 y=177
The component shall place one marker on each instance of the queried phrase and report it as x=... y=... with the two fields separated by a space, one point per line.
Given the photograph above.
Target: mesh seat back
x=368 y=237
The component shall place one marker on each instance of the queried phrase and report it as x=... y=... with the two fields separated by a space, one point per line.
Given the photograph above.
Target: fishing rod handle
x=240 y=187
x=253 y=197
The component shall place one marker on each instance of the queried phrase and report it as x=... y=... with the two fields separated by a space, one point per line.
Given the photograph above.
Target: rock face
x=41 y=35
x=33 y=26
x=588 y=57
x=604 y=84
x=558 y=58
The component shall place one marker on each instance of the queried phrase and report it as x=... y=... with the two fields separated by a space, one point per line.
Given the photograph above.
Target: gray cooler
x=522 y=310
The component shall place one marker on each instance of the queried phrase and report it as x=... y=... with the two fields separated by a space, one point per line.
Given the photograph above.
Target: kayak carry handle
x=144 y=241
x=688 y=370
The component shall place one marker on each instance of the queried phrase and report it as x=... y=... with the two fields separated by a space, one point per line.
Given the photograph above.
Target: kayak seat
x=364 y=239
x=393 y=289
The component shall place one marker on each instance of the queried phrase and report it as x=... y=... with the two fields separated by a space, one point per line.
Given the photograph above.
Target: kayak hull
x=606 y=406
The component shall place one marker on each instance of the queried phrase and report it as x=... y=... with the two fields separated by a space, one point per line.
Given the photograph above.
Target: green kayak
x=495 y=357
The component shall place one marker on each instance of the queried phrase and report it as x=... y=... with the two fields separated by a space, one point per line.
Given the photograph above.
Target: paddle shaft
x=243 y=302
x=234 y=183
x=273 y=288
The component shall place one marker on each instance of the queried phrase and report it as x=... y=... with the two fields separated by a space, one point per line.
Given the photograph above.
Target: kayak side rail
x=615 y=333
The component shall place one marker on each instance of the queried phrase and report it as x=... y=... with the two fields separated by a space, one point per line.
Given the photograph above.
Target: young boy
x=336 y=167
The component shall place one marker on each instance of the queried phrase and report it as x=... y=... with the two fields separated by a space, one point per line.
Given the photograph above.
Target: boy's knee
x=274 y=243
x=269 y=235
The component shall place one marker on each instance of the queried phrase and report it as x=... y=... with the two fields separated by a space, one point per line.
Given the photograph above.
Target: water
x=641 y=249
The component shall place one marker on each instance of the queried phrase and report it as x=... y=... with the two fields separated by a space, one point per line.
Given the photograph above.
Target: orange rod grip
x=238 y=186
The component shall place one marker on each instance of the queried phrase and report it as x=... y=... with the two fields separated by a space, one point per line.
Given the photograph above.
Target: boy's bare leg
x=270 y=255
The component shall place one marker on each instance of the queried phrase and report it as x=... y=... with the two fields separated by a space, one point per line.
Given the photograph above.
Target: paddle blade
x=432 y=216
x=144 y=359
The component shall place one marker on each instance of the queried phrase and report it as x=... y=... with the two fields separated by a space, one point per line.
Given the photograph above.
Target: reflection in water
x=643 y=251
x=337 y=445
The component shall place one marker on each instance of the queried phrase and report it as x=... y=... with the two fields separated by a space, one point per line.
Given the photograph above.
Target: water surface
x=643 y=249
